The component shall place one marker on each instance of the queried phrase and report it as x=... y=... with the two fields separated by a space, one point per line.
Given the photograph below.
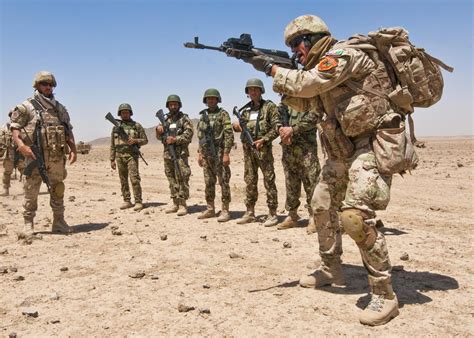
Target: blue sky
x=105 y=52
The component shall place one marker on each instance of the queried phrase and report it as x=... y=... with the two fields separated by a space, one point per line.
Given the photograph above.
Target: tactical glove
x=262 y=63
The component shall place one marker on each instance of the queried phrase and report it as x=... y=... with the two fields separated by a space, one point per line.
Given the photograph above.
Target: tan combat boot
x=60 y=225
x=311 y=228
x=382 y=307
x=272 y=218
x=182 y=208
x=5 y=192
x=248 y=217
x=172 y=207
x=224 y=216
x=28 y=227
x=327 y=274
x=138 y=206
x=290 y=221
x=209 y=212
x=126 y=205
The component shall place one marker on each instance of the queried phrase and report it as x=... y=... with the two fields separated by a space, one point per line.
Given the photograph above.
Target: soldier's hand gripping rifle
x=170 y=147
x=243 y=48
x=124 y=136
x=245 y=131
x=37 y=149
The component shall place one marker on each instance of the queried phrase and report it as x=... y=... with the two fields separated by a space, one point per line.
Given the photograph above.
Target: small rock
x=146 y=212
x=30 y=312
x=204 y=310
x=203 y=237
x=13 y=269
x=435 y=208
x=54 y=321
x=206 y=286
x=18 y=278
x=448 y=176
x=116 y=232
x=460 y=165
x=253 y=241
x=64 y=269
x=234 y=255
x=164 y=237
x=286 y=245
x=154 y=276
x=4 y=252
x=101 y=200
x=138 y=274
x=3 y=269
x=404 y=256
x=72 y=198
x=185 y=308
x=114 y=193
x=275 y=239
x=12 y=335
x=54 y=296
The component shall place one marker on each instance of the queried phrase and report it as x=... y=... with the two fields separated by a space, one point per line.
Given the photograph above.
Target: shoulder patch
x=335 y=52
x=327 y=63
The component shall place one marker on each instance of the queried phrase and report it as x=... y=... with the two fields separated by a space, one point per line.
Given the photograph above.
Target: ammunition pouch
x=337 y=145
x=55 y=139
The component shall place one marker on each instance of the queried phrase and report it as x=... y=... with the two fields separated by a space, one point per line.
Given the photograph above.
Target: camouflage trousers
x=179 y=188
x=56 y=171
x=301 y=167
x=352 y=184
x=214 y=172
x=127 y=165
x=8 y=170
x=251 y=166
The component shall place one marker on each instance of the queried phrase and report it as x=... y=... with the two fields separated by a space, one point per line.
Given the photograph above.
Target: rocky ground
x=147 y=273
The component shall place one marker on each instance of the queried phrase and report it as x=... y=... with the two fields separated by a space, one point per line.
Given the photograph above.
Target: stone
x=286 y=245
x=234 y=255
x=275 y=239
x=404 y=256
x=72 y=198
x=154 y=276
x=64 y=269
x=185 y=308
x=206 y=286
x=30 y=312
x=204 y=310
x=138 y=274
x=4 y=252
x=164 y=237
x=12 y=335
x=13 y=269
x=54 y=296
x=3 y=269
x=253 y=241
x=204 y=237
x=18 y=278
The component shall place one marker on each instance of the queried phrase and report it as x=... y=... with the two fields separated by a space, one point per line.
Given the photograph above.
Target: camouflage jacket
x=221 y=130
x=184 y=132
x=268 y=120
x=119 y=147
x=304 y=127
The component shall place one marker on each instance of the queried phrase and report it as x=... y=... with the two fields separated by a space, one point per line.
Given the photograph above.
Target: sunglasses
x=296 y=41
x=46 y=84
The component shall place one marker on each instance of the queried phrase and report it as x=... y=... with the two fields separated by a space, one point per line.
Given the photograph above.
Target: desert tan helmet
x=254 y=83
x=173 y=98
x=305 y=25
x=125 y=106
x=211 y=92
x=44 y=76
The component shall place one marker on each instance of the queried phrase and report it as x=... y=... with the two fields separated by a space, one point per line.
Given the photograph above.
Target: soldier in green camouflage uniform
x=339 y=82
x=123 y=158
x=8 y=148
x=300 y=162
x=215 y=142
x=181 y=132
x=262 y=119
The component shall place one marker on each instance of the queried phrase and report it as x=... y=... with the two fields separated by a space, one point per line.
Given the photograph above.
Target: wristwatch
x=268 y=69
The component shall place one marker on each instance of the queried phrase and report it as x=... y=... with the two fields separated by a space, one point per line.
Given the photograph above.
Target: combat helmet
x=124 y=106
x=44 y=76
x=305 y=25
x=173 y=98
x=211 y=92
x=254 y=83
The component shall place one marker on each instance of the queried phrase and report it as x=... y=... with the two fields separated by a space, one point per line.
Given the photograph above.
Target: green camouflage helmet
x=305 y=25
x=254 y=83
x=173 y=98
x=44 y=76
x=211 y=92
x=124 y=106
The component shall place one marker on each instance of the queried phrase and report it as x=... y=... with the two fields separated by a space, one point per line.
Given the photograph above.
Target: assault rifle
x=17 y=157
x=37 y=150
x=245 y=132
x=209 y=142
x=243 y=48
x=124 y=136
x=170 y=147
x=284 y=115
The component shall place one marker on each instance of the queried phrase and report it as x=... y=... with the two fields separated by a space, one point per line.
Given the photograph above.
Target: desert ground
x=126 y=273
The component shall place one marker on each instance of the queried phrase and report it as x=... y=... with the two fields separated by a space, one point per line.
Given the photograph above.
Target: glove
x=261 y=63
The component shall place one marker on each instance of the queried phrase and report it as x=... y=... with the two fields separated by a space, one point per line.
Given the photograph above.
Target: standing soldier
x=43 y=118
x=180 y=135
x=215 y=142
x=332 y=82
x=300 y=162
x=13 y=159
x=125 y=158
x=262 y=121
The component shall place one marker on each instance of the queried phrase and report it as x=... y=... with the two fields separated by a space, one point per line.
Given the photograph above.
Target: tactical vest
x=258 y=121
x=130 y=128
x=181 y=149
x=216 y=123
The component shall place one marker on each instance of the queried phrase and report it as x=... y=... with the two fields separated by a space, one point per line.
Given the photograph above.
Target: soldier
x=350 y=180
x=300 y=163
x=181 y=132
x=43 y=112
x=13 y=159
x=123 y=156
x=262 y=121
x=215 y=142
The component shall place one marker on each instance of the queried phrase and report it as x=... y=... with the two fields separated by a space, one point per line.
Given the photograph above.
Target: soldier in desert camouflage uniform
x=262 y=120
x=350 y=180
x=300 y=162
x=8 y=149
x=182 y=131
x=215 y=142
x=123 y=158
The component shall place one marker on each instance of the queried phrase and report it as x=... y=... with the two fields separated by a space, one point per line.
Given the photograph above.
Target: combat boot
x=290 y=221
x=60 y=225
x=28 y=227
x=138 y=206
x=172 y=207
x=248 y=217
x=126 y=205
x=327 y=274
x=209 y=212
x=182 y=209
x=272 y=218
x=5 y=192
x=224 y=216
x=311 y=228
x=382 y=308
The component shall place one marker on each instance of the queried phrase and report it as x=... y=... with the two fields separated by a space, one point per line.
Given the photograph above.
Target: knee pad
x=57 y=190
x=353 y=222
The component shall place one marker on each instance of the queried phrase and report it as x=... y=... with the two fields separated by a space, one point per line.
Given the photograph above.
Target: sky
x=106 y=52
